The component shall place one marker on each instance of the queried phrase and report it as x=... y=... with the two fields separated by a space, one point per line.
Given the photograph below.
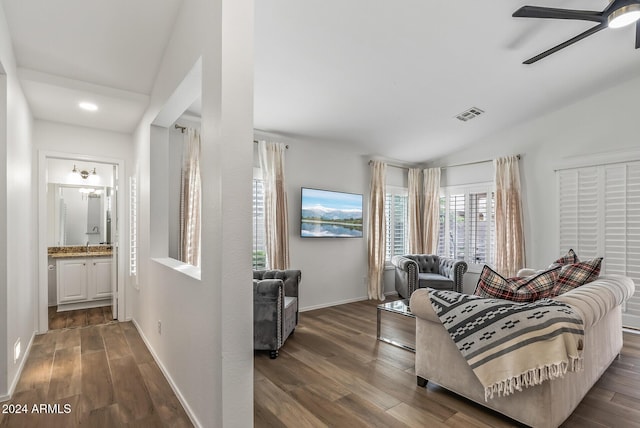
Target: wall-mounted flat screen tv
x=328 y=214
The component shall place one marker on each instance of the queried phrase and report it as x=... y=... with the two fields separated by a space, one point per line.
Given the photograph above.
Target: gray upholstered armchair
x=415 y=271
x=275 y=308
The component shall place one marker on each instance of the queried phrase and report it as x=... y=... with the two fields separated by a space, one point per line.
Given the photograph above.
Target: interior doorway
x=88 y=221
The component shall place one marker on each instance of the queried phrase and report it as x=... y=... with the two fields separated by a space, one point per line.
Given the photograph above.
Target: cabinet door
x=72 y=280
x=101 y=277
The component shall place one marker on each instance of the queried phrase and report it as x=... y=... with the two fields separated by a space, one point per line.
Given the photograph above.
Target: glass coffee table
x=396 y=324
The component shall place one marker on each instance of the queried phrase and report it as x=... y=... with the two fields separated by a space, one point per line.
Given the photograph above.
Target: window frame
x=444 y=242
x=390 y=232
x=257 y=177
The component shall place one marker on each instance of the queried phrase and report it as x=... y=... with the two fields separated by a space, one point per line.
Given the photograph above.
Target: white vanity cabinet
x=83 y=281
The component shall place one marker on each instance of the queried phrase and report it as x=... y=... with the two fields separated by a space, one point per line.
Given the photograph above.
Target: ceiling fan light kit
x=624 y=16
x=617 y=14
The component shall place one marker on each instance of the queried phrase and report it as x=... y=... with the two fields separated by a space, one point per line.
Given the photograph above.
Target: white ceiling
x=388 y=76
x=107 y=52
x=392 y=75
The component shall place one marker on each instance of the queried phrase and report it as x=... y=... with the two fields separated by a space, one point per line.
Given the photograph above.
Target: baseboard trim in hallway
x=165 y=372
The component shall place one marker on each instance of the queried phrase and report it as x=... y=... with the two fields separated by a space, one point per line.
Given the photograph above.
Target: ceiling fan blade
x=613 y=5
x=637 y=34
x=569 y=42
x=553 y=13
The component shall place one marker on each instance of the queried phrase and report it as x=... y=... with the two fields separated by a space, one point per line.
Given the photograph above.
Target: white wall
x=17 y=218
x=80 y=141
x=334 y=270
x=593 y=128
x=206 y=344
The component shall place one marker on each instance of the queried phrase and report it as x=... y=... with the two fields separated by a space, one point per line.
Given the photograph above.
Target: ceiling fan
x=617 y=14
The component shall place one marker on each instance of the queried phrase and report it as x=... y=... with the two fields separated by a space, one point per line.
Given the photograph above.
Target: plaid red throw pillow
x=569 y=258
x=527 y=289
x=576 y=274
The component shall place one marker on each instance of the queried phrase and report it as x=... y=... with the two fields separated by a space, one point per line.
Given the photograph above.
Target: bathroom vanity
x=83 y=276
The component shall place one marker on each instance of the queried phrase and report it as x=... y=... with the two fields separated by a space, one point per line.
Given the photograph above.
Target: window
x=397 y=221
x=599 y=216
x=467 y=224
x=259 y=250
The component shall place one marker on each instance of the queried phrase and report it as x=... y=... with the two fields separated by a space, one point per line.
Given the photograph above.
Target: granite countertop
x=80 y=251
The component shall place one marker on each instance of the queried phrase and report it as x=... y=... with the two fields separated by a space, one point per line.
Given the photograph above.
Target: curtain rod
x=444 y=167
x=392 y=165
x=180 y=127
x=471 y=163
x=286 y=145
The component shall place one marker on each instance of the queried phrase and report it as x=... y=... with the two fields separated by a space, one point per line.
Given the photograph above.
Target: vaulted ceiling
x=387 y=76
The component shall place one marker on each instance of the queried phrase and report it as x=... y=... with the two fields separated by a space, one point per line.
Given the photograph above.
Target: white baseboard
x=15 y=380
x=63 y=307
x=194 y=420
x=342 y=302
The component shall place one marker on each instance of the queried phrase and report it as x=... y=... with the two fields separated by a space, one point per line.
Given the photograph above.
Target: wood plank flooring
x=333 y=372
x=104 y=374
x=79 y=317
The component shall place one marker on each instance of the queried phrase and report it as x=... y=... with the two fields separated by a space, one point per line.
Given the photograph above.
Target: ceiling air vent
x=469 y=114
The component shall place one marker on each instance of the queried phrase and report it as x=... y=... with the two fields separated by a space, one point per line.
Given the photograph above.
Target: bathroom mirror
x=79 y=215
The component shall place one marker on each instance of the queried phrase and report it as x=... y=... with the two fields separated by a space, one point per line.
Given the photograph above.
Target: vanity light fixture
x=84 y=173
x=85 y=105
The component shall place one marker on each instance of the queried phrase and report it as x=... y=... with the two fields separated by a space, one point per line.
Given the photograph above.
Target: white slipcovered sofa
x=550 y=403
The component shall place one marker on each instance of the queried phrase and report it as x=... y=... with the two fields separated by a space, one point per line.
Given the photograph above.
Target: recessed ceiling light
x=88 y=106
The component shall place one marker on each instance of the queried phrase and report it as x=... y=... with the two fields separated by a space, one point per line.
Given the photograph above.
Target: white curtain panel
x=272 y=164
x=376 y=243
x=415 y=211
x=190 y=197
x=431 y=220
x=509 y=250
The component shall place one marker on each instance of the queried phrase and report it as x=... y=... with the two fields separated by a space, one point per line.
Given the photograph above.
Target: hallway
x=98 y=376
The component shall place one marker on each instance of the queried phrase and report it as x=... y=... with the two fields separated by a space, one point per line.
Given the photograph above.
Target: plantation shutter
x=479 y=226
x=578 y=191
x=441 y=225
x=396 y=211
x=599 y=215
x=457 y=216
x=259 y=239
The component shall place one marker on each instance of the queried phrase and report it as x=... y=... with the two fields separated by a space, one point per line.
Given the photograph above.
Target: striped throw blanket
x=511 y=345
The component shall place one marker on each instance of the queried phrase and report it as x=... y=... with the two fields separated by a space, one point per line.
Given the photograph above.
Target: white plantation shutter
x=578 y=190
x=259 y=238
x=599 y=215
x=479 y=227
x=396 y=212
x=441 y=225
x=456 y=227
x=467 y=225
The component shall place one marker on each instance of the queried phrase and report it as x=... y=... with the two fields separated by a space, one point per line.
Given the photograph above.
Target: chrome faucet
x=87 y=246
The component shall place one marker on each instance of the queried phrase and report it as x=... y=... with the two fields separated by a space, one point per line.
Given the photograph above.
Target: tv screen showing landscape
x=327 y=214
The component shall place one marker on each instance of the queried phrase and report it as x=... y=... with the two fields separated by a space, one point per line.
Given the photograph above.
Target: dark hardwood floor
x=333 y=372
x=104 y=375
